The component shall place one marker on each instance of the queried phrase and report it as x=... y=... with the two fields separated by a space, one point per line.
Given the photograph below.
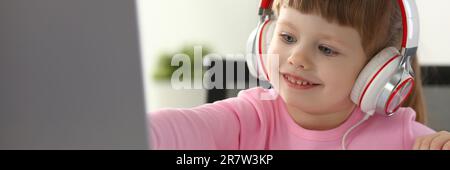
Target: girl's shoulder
x=415 y=128
x=401 y=125
x=404 y=117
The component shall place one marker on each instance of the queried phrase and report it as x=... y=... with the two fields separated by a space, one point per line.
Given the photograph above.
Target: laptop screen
x=70 y=75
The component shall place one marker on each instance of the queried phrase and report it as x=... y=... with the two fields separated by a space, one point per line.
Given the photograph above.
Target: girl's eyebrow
x=288 y=24
x=331 y=38
x=334 y=39
x=325 y=36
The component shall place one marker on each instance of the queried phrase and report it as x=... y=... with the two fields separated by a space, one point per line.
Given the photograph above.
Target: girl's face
x=313 y=51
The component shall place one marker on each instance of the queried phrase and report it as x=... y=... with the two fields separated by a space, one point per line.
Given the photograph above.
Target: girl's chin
x=293 y=99
x=304 y=102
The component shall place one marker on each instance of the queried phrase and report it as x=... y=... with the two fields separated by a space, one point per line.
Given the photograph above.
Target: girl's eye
x=327 y=51
x=287 y=38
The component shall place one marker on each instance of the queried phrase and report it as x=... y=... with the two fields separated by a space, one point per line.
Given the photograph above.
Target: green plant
x=164 y=69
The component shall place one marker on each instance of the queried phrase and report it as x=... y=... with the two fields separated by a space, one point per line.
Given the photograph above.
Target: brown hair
x=379 y=24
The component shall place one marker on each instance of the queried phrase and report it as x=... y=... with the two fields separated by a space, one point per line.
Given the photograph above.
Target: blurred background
x=166 y=27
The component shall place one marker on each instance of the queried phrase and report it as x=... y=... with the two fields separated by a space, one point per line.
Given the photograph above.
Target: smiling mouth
x=298 y=82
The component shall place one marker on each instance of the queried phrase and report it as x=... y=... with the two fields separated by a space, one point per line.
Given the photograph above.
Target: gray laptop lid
x=70 y=75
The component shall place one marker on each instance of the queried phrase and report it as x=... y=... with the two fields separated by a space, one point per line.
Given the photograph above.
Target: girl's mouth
x=297 y=82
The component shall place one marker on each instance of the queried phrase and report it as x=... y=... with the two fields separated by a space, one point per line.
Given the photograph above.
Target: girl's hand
x=437 y=141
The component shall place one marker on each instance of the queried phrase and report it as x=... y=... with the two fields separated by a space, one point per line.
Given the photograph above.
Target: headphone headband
x=266 y=4
x=265 y=8
x=410 y=20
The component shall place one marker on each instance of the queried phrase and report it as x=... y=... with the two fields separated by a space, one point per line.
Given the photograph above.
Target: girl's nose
x=299 y=61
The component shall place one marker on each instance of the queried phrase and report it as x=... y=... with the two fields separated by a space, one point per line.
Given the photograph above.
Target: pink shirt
x=248 y=123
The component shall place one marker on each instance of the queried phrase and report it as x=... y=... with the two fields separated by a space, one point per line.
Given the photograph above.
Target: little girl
x=325 y=43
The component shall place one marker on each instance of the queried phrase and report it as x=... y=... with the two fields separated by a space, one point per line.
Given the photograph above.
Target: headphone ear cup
x=266 y=35
x=373 y=77
x=258 y=45
x=251 y=60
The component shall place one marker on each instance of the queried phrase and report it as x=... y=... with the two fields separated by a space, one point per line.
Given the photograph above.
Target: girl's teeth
x=301 y=83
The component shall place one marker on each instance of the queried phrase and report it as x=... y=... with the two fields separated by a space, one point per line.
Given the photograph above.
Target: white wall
x=435 y=32
x=226 y=24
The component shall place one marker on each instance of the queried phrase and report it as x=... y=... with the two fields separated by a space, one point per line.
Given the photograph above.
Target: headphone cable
x=353 y=127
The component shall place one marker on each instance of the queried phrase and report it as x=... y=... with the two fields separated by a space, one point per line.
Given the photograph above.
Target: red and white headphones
x=384 y=83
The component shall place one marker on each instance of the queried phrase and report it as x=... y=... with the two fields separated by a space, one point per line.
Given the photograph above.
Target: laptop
x=70 y=75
